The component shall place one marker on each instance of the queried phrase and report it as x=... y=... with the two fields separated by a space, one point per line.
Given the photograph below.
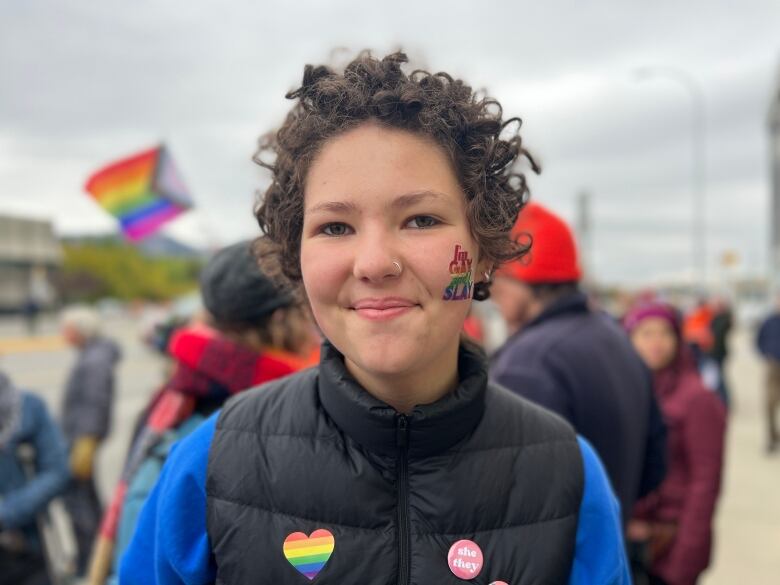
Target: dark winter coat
x=721 y=325
x=768 y=340
x=580 y=364
x=89 y=392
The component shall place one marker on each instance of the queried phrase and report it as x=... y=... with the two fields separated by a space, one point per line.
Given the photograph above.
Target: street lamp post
x=698 y=158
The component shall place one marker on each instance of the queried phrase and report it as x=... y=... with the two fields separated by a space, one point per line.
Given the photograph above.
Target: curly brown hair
x=485 y=150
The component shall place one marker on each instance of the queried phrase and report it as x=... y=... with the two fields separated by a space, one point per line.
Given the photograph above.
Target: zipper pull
x=402 y=432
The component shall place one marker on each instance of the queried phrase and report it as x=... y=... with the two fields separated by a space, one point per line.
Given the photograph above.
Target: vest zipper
x=404 y=556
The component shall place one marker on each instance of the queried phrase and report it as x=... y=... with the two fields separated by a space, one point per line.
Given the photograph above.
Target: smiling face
x=375 y=197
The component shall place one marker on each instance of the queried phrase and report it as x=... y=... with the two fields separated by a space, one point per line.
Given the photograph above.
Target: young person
x=392 y=199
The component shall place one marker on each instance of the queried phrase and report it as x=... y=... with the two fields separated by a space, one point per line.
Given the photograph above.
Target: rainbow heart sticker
x=308 y=554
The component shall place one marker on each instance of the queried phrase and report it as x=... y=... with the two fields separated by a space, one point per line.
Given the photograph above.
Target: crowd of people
x=332 y=412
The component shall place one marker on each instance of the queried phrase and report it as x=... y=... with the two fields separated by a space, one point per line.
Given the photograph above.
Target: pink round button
x=465 y=559
x=499 y=583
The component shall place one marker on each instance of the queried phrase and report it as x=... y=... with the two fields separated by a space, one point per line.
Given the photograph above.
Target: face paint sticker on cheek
x=461 y=286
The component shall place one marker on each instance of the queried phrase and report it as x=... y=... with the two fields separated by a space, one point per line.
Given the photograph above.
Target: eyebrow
x=401 y=202
x=333 y=207
x=415 y=197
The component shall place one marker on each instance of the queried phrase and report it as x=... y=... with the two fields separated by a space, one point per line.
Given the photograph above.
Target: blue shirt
x=171 y=547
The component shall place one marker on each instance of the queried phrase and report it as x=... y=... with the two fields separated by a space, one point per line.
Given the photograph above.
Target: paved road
x=42 y=363
x=748 y=524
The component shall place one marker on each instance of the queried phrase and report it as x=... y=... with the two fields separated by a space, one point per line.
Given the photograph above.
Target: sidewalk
x=747 y=549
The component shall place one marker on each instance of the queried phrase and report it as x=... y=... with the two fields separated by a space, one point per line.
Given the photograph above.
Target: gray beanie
x=234 y=290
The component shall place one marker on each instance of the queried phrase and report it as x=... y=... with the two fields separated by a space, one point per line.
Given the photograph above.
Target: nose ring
x=398 y=267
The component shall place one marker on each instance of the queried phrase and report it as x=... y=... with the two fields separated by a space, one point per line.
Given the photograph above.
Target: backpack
x=141 y=486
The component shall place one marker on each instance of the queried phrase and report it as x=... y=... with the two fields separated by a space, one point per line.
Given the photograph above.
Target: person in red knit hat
x=576 y=361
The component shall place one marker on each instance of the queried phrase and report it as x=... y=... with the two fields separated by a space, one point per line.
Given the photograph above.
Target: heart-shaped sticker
x=308 y=554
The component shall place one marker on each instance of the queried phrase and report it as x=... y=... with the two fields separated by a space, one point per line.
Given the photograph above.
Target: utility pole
x=584 y=229
x=774 y=207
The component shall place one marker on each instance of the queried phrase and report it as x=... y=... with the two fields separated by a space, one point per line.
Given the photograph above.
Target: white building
x=30 y=255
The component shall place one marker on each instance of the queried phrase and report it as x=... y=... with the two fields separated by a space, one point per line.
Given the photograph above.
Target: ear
x=484 y=271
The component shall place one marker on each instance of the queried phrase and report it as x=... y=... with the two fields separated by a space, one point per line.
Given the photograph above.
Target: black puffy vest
x=317 y=452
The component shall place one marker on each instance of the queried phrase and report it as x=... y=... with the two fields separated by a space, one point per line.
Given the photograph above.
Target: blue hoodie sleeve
x=600 y=556
x=170 y=545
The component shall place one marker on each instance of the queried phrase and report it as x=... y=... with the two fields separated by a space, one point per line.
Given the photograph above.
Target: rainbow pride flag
x=143 y=192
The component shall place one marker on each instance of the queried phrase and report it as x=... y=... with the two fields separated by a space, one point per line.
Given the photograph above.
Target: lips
x=382 y=309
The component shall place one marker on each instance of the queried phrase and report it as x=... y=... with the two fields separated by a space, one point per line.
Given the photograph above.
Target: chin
x=383 y=357
x=388 y=361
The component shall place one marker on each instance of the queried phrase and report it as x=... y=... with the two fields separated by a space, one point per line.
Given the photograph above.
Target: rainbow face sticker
x=308 y=554
x=461 y=286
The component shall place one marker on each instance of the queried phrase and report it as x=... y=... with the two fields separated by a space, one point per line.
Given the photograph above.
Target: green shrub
x=97 y=270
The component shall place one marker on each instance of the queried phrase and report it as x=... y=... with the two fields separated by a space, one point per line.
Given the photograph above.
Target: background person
x=768 y=343
x=25 y=422
x=86 y=419
x=252 y=333
x=676 y=520
x=576 y=361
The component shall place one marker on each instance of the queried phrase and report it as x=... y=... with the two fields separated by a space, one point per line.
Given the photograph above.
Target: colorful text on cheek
x=461 y=285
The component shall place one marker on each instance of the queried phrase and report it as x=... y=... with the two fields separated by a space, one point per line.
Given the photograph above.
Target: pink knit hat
x=646 y=310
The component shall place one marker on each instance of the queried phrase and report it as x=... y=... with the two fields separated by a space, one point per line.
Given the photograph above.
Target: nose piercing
x=398 y=267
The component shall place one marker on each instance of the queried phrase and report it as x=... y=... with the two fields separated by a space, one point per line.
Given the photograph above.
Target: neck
x=405 y=390
x=532 y=310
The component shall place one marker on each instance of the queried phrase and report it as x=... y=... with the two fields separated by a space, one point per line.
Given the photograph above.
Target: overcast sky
x=82 y=83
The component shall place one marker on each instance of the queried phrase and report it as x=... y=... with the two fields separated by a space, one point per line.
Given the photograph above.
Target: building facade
x=30 y=258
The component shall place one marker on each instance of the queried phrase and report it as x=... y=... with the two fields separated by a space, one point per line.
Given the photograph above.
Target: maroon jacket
x=696 y=424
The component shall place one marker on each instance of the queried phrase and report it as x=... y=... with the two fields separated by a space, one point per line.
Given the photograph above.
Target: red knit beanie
x=553 y=255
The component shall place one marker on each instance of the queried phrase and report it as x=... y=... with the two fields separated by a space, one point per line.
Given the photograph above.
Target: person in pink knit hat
x=675 y=521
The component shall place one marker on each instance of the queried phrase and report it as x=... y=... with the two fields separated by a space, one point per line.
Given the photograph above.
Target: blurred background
x=657 y=126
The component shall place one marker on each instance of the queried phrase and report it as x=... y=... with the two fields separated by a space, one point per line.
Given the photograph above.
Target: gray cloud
x=82 y=83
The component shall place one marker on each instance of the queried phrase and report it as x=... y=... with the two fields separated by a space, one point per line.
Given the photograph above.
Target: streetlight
x=698 y=158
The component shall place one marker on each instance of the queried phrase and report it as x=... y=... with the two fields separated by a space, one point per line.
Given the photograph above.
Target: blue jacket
x=580 y=364
x=768 y=340
x=21 y=499
x=171 y=546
